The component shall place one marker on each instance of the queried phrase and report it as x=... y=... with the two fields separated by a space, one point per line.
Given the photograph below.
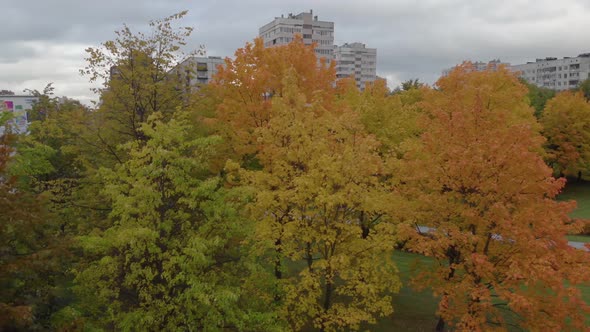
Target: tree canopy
x=275 y=198
x=566 y=125
x=477 y=179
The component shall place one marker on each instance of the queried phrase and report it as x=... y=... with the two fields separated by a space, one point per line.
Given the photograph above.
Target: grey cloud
x=78 y=20
x=414 y=39
x=11 y=53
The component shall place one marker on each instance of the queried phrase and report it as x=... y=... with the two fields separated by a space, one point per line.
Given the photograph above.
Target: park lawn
x=580 y=192
x=579 y=238
x=413 y=310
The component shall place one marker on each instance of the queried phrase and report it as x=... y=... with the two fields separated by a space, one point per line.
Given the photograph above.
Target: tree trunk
x=440 y=326
x=328 y=298
x=327 y=301
x=309 y=256
x=278 y=272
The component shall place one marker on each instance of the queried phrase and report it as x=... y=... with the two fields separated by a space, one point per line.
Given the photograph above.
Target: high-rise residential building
x=554 y=73
x=198 y=70
x=282 y=30
x=481 y=66
x=356 y=60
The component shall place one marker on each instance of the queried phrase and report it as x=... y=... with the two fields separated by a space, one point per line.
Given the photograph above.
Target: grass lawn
x=580 y=192
x=579 y=238
x=415 y=311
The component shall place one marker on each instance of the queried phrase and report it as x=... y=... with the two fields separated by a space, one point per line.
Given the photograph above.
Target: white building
x=556 y=74
x=282 y=30
x=198 y=70
x=481 y=66
x=18 y=106
x=356 y=60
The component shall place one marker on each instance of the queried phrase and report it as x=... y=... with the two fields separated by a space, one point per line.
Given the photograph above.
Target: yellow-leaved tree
x=566 y=125
x=319 y=207
x=391 y=118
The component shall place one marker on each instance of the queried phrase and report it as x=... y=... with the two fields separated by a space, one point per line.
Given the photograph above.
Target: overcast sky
x=44 y=40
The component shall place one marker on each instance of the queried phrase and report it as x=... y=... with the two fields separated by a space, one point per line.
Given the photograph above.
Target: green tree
x=172 y=258
x=32 y=249
x=538 y=97
x=585 y=88
x=134 y=71
x=408 y=85
x=59 y=157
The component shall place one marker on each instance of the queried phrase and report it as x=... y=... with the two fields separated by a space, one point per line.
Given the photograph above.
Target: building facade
x=18 y=106
x=282 y=30
x=197 y=71
x=556 y=74
x=356 y=60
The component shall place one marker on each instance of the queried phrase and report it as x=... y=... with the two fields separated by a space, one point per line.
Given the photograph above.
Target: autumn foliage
x=566 y=124
x=247 y=84
x=319 y=201
x=275 y=198
x=476 y=178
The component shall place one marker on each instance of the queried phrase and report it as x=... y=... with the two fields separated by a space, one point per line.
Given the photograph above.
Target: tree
x=246 y=86
x=497 y=234
x=391 y=118
x=585 y=88
x=566 y=125
x=4 y=92
x=411 y=84
x=31 y=250
x=319 y=205
x=59 y=159
x=172 y=257
x=134 y=71
x=538 y=97
x=408 y=85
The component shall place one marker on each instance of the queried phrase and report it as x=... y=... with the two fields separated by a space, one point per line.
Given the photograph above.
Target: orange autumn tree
x=247 y=84
x=566 y=125
x=319 y=207
x=497 y=235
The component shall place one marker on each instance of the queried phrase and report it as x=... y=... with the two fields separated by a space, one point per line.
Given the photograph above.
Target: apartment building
x=282 y=30
x=556 y=74
x=199 y=70
x=356 y=60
